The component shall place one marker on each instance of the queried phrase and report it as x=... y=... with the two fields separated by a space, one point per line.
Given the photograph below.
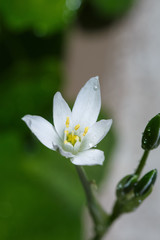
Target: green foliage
x=112 y=8
x=34 y=201
x=96 y=14
x=28 y=87
x=41 y=16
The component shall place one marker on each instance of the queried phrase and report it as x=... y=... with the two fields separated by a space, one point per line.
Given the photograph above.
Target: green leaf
x=42 y=17
x=28 y=87
x=39 y=199
x=112 y=8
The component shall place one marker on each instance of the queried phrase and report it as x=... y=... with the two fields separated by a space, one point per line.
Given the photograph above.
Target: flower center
x=72 y=136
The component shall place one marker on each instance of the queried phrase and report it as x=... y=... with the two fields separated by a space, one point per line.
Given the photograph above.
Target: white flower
x=74 y=132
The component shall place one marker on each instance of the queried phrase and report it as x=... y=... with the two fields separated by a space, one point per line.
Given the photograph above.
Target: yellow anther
x=65 y=142
x=77 y=127
x=85 y=131
x=66 y=131
x=67 y=122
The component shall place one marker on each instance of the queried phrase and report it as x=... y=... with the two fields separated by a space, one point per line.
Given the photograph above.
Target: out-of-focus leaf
x=112 y=8
x=28 y=87
x=41 y=16
x=96 y=14
x=38 y=199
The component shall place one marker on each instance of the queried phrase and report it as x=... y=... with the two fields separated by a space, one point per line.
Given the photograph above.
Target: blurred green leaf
x=36 y=203
x=28 y=87
x=112 y=8
x=41 y=16
x=96 y=14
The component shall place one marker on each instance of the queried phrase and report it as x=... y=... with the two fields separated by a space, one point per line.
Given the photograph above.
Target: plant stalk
x=98 y=215
x=142 y=163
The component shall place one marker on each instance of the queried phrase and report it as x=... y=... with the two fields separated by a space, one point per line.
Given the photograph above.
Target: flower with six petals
x=75 y=132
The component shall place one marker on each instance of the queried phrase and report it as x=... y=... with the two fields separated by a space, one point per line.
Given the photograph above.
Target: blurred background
x=48 y=46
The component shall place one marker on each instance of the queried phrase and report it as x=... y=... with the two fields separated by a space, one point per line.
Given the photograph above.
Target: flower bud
x=125 y=185
x=144 y=186
x=151 y=135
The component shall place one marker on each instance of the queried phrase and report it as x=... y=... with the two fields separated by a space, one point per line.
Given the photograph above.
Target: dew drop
x=95 y=87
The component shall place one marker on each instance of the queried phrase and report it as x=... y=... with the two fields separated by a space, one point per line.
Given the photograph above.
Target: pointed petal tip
x=23 y=118
x=94 y=82
x=110 y=121
x=57 y=94
x=97 y=78
x=43 y=130
x=26 y=119
x=94 y=79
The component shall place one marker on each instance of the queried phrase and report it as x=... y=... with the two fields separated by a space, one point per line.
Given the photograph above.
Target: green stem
x=142 y=163
x=97 y=213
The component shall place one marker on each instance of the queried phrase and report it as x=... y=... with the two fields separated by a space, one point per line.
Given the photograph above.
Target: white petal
x=76 y=147
x=68 y=147
x=89 y=157
x=87 y=105
x=61 y=111
x=43 y=130
x=95 y=134
x=65 y=153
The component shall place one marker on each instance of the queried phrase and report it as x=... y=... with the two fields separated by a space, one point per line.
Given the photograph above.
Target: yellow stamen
x=85 y=131
x=67 y=122
x=72 y=138
x=66 y=131
x=77 y=127
x=65 y=142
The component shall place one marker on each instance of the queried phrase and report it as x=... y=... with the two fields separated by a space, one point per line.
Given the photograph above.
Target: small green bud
x=151 y=135
x=126 y=185
x=144 y=186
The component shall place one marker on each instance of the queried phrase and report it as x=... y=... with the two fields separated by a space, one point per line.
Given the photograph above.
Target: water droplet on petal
x=95 y=87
